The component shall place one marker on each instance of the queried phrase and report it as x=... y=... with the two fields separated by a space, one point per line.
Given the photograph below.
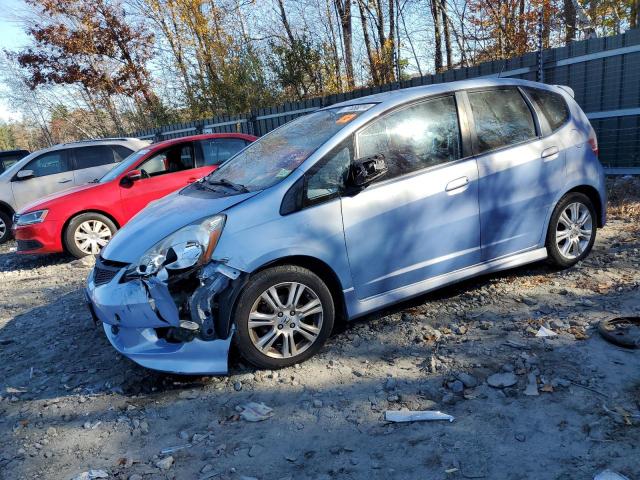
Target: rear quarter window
x=93 y=156
x=552 y=105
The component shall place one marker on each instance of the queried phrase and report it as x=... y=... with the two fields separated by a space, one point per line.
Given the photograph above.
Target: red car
x=83 y=219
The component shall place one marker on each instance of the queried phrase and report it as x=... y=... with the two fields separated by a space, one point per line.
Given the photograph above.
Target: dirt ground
x=71 y=407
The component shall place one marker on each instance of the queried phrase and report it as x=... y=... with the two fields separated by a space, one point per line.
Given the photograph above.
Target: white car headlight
x=184 y=248
x=30 y=218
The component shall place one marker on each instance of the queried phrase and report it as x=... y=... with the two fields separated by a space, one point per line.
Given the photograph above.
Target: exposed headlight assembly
x=185 y=248
x=30 y=218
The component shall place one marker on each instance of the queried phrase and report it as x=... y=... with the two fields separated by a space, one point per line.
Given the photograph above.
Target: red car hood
x=46 y=201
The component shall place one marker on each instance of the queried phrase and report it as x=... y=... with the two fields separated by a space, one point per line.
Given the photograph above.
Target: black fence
x=603 y=72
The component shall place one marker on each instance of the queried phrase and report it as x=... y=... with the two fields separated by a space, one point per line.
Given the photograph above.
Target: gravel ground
x=72 y=407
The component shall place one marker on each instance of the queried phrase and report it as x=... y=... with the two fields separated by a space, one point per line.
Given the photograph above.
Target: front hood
x=46 y=201
x=162 y=218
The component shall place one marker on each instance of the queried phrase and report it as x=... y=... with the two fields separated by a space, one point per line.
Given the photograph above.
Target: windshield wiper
x=226 y=183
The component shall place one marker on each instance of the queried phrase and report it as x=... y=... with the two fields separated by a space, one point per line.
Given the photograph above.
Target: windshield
x=124 y=165
x=274 y=156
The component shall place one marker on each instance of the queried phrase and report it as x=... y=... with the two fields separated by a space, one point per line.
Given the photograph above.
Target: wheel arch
x=63 y=230
x=322 y=270
x=593 y=195
x=6 y=208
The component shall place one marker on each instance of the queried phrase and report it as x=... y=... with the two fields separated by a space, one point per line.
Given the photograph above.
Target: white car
x=58 y=168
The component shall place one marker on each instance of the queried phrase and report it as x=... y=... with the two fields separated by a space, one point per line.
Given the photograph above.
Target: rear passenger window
x=501 y=117
x=49 y=164
x=217 y=150
x=417 y=137
x=87 y=157
x=121 y=152
x=552 y=106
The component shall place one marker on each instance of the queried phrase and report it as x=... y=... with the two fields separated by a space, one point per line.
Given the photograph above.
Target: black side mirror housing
x=366 y=170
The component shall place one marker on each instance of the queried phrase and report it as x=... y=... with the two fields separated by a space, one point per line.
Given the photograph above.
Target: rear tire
x=5 y=227
x=283 y=316
x=88 y=233
x=572 y=230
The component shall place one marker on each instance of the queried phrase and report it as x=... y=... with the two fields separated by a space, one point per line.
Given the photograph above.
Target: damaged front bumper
x=161 y=328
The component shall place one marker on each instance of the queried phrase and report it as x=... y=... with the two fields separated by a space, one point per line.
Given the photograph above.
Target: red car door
x=164 y=172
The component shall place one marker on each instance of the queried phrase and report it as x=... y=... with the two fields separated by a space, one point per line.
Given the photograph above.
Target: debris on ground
x=545 y=332
x=91 y=475
x=621 y=331
x=609 y=475
x=255 y=412
x=400 y=416
x=502 y=380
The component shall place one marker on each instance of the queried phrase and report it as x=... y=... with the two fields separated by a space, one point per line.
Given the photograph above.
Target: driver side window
x=173 y=159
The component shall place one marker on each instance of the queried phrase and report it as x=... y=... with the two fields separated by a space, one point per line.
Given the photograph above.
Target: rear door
x=421 y=220
x=92 y=162
x=520 y=171
x=164 y=172
x=52 y=173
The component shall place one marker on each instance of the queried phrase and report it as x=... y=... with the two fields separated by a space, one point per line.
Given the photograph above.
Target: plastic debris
x=168 y=450
x=91 y=474
x=545 y=332
x=609 y=475
x=415 y=416
x=255 y=412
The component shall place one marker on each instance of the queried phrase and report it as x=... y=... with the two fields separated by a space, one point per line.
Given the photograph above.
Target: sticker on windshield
x=283 y=173
x=346 y=118
x=356 y=108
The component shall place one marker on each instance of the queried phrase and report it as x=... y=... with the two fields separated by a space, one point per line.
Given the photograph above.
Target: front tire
x=5 y=227
x=572 y=230
x=88 y=233
x=283 y=316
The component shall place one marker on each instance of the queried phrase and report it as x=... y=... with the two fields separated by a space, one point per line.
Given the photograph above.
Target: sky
x=12 y=37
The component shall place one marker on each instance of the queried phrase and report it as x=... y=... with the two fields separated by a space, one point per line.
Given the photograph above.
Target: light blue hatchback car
x=346 y=210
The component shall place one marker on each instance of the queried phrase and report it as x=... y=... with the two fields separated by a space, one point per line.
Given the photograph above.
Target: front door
x=52 y=172
x=165 y=172
x=421 y=220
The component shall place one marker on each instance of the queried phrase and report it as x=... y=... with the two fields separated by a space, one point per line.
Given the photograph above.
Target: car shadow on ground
x=32 y=341
x=11 y=260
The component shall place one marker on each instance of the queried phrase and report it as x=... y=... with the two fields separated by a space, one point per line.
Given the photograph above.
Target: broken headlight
x=185 y=248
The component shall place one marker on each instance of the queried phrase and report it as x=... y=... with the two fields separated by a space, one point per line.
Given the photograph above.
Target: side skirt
x=357 y=308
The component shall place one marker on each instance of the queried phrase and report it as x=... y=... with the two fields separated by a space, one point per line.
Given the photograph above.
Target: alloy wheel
x=285 y=320
x=91 y=236
x=574 y=230
x=3 y=228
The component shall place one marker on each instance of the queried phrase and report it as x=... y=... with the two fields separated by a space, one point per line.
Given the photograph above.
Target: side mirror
x=25 y=174
x=364 y=171
x=131 y=177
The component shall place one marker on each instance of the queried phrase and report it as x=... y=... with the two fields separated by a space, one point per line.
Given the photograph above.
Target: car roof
x=13 y=152
x=204 y=136
x=398 y=97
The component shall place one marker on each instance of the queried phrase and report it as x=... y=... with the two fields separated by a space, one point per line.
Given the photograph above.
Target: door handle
x=66 y=180
x=550 y=153
x=457 y=184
